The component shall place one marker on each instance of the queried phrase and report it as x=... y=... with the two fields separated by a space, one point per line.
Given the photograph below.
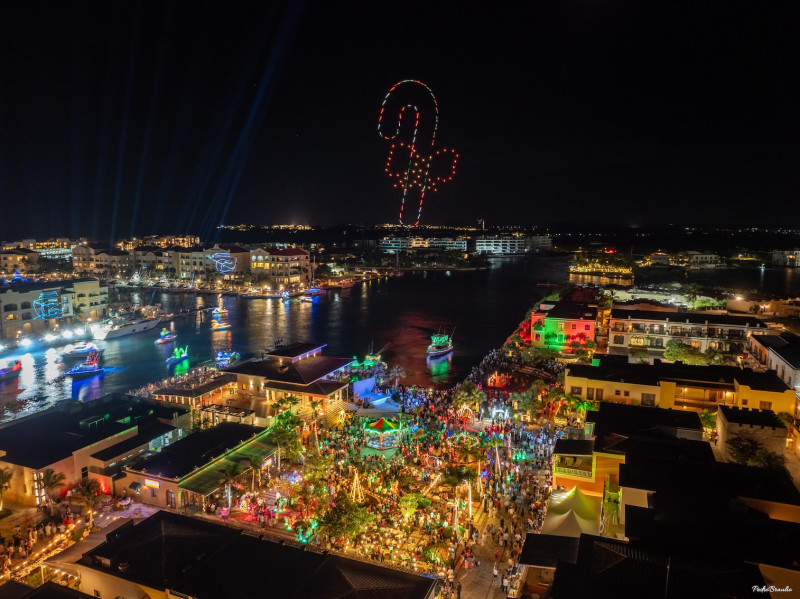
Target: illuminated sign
x=223 y=262
x=153 y=484
x=49 y=305
x=267 y=463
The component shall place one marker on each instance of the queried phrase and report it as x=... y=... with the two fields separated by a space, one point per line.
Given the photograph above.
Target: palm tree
x=49 y=481
x=396 y=372
x=455 y=476
x=89 y=491
x=468 y=395
x=248 y=463
x=284 y=435
x=315 y=403
x=5 y=483
x=228 y=480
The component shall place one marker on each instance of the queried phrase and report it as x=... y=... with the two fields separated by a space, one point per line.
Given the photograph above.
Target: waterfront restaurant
x=299 y=370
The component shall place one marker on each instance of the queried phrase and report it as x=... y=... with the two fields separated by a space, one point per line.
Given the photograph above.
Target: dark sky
x=155 y=117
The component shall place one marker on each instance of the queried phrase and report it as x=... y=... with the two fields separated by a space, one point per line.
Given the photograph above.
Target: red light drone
x=411 y=164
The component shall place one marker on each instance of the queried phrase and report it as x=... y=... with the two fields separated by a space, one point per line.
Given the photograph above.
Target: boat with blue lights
x=86 y=369
x=223 y=359
x=179 y=354
x=8 y=373
x=79 y=350
x=219 y=311
x=441 y=344
x=165 y=337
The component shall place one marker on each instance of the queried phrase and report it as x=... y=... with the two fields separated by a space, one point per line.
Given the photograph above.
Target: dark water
x=397 y=314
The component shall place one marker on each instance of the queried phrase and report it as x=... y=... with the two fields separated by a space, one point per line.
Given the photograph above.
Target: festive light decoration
x=357 y=493
x=223 y=262
x=49 y=305
x=409 y=163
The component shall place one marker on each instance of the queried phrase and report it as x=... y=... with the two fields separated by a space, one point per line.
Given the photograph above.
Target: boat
x=223 y=359
x=219 y=311
x=285 y=296
x=346 y=283
x=165 y=337
x=307 y=299
x=86 y=369
x=79 y=350
x=220 y=325
x=122 y=327
x=179 y=354
x=10 y=372
x=441 y=344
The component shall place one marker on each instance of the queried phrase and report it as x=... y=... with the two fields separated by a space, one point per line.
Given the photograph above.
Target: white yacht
x=122 y=327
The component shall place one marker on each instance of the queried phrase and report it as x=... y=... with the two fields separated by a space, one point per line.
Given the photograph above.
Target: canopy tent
x=584 y=506
x=383 y=434
x=569 y=524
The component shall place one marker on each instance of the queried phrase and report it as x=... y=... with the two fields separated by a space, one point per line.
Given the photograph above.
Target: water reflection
x=439 y=368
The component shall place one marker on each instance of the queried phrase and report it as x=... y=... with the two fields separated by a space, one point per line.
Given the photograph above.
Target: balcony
x=579 y=466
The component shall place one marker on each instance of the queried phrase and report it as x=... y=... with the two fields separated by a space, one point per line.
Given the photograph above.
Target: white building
x=512 y=244
x=786 y=257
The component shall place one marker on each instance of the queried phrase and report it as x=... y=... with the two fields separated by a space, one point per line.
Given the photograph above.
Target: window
x=649 y=400
x=637 y=340
x=765 y=405
x=598 y=394
x=153 y=492
x=619 y=339
x=577 y=390
x=574 y=326
x=744 y=402
x=616 y=392
x=85 y=472
x=560 y=326
x=537 y=337
x=627 y=394
x=590 y=393
x=171 y=499
x=587 y=327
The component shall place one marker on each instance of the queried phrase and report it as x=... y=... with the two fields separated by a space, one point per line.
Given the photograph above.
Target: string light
x=415 y=176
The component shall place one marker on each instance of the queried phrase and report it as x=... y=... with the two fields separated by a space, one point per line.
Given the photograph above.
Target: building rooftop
x=752 y=417
x=622 y=371
x=301 y=372
x=572 y=311
x=192 y=557
x=196 y=450
x=295 y=350
x=574 y=447
x=688 y=317
x=145 y=434
x=47 y=437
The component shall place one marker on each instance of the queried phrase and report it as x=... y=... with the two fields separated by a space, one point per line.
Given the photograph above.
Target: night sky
x=122 y=118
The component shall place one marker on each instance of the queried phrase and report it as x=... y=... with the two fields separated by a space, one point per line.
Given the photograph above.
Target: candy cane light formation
x=413 y=160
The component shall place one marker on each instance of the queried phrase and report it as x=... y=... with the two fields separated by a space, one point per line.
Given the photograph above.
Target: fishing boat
x=220 y=325
x=441 y=344
x=165 y=337
x=122 y=327
x=10 y=372
x=179 y=354
x=79 y=350
x=86 y=369
x=224 y=359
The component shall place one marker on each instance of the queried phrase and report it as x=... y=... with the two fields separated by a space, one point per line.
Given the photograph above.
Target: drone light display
x=223 y=262
x=412 y=160
x=49 y=305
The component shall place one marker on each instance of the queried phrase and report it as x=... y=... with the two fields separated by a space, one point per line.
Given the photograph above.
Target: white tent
x=585 y=506
x=569 y=524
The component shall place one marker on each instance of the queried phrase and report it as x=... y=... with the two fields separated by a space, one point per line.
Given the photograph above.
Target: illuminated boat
x=346 y=283
x=220 y=325
x=86 y=369
x=224 y=359
x=441 y=344
x=307 y=299
x=120 y=328
x=179 y=354
x=10 y=372
x=79 y=350
x=219 y=311
x=165 y=337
